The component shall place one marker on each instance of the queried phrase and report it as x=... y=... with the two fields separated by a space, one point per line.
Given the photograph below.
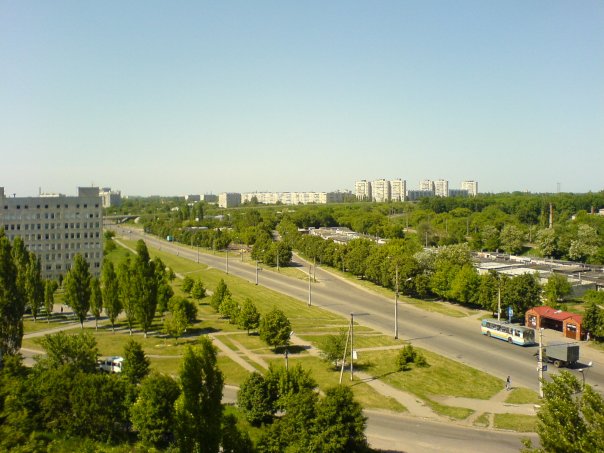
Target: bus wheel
x=510 y=340
x=557 y=363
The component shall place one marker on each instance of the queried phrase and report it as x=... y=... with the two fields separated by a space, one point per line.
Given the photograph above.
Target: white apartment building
x=110 y=197
x=290 y=198
x=362 y=190
x=426 y=185
x=380 y=190
x=398 y=189
x=471 y=187
x=57 y=227
x=229 y=199
x=441 y=188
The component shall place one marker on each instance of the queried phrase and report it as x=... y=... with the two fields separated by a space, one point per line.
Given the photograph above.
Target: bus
x=111 y=364
x=512 y=333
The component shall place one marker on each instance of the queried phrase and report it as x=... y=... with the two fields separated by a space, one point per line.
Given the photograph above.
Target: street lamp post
x=582 y=371
x=540 y=363
x=351 y=345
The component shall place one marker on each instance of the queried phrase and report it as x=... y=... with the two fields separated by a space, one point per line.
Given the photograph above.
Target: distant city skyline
x=156 y=98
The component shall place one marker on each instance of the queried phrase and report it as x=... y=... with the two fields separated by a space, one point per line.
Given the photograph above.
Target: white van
x=111 y=364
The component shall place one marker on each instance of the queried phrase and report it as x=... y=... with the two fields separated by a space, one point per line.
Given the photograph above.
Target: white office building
x=110 y=198
x=57 y=227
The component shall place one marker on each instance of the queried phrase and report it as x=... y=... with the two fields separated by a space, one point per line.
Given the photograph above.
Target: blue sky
x=157 y=97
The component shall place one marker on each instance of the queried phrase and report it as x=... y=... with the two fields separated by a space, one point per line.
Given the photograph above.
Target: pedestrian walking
x=508 y=383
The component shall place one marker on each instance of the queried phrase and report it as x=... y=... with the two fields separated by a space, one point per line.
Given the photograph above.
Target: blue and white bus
x=512 y=333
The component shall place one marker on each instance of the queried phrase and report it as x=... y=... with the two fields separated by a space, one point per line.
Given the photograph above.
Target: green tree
x=91 y=415
x=489 y=237
x=593 y=319
x=556 y=288
x=521 y=293
x=409 y=355
x=585 y=244
x=339 y=425
x=198 y=291
x=50 y=286
x=219 y=294
x=568 y=423
x=12 y=302
x=79 y=350
x=547 y=242
x=465 y=285
x=332 y=347
x=126 y=295
x=198 y=408
x=152 y=414
x=512 y=239
x=187 y=284
x=275 y=328
x=136 y=364
x=234 y=440
x=110 y=292
x=249 y=317
x=177 y=318
x=96 y=300
x=34 y=285
x=229 y=309
x=77 y=288
x=144 y=285
x=254 y=399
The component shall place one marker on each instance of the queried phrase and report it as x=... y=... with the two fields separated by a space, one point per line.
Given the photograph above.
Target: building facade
x=380 y=190
x=290 y=198
x=57 y=227
x=398 y=189
x=229 y=199
x=110 y=198
x=362 y=190
x=441 y=188
x=471 y=187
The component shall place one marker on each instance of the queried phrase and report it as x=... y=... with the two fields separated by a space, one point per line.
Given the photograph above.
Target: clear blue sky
x=162 y=97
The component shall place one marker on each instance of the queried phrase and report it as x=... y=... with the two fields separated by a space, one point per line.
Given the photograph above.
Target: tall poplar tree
x=12 y=302
x=96 y=300
x=126 y=293
x=34 y=285
x=144 y=286
x=77 y=288
x=199 y=408
x=110 y=292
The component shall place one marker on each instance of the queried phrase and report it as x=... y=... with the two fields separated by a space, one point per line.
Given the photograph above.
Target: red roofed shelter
x=550 y=318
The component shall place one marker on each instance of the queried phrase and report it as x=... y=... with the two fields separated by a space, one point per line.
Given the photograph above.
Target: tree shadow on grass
x=293 y=349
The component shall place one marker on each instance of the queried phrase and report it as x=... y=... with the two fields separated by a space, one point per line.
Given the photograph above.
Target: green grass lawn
x=516 y=422
x=522 y=396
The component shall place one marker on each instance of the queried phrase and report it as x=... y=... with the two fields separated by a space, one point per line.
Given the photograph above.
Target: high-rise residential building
x=110 y=198
x=441 y=188
x=471 y=187
x=209 y=198
x=398 y=189
x=426 y=185
x=57 y=227
x=380 y=190
x=229 y=200
x=362 y=190
x=192 y=198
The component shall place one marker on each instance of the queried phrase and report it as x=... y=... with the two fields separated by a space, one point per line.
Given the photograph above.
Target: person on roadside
x=508 y=383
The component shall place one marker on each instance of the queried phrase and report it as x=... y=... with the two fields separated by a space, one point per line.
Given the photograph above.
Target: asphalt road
x=456 y=338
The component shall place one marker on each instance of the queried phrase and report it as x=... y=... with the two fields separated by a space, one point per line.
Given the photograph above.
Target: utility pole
x=396 y=305
x=344 y=355
x=351 y=345
x=309 y=285
x=499 y=301
x=540 y=363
